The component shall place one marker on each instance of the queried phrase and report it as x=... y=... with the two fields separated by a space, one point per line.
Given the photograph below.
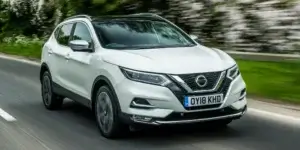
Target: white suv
x=139 y=69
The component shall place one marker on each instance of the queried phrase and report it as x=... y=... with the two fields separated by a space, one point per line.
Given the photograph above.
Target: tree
x=19 y=15
x=46 y=18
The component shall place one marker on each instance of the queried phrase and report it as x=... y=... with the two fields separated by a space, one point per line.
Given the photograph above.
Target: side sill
x=71 y=95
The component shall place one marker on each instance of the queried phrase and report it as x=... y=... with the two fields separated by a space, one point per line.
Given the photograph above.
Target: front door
x=78 y=69
x=59 y=53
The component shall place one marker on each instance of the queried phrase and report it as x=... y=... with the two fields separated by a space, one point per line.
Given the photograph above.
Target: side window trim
x=87 y=26
x=72 y=30
x=56 y=32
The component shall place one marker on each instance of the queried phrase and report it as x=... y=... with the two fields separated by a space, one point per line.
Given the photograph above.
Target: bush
x=22 y=45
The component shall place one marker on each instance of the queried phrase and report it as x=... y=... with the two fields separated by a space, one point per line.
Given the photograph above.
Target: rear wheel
x=51 y=100
x=106 y=112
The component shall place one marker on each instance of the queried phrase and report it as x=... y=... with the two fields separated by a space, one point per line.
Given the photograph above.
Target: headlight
x=233 y=72
x=145 y=77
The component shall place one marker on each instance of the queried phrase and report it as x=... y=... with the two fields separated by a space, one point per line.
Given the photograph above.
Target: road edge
x=21 y=59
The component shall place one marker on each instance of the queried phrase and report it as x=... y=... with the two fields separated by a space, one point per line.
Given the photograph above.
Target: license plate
x=193 y=101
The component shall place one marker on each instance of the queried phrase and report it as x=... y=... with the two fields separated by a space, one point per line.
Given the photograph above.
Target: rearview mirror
x=80 y=46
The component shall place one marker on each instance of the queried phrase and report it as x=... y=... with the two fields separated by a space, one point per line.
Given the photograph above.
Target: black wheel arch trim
x=109 y=84
x=41 y=69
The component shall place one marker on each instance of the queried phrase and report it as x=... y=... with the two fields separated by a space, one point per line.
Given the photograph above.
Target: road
x=73 y=127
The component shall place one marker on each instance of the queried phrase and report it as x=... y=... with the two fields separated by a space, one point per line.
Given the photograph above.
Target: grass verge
x=26 y=50
x=274 y=80
x=271 y=80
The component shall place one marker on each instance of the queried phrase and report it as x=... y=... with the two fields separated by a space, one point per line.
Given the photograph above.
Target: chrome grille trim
x=187 y=88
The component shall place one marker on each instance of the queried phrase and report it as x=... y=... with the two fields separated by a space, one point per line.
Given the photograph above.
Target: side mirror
x=80 y=46
x=194 y=37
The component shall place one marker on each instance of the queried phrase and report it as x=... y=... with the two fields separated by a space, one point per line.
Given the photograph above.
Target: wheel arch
x=44 y=67
x=101 y=81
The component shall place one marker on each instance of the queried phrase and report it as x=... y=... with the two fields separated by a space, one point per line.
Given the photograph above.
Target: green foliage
x=21 y=45
x=3 y=17
x=20 y=15
x=29 y=51
x=27 y=18
x=210 y=20
x=282 y=82
x=92 y=7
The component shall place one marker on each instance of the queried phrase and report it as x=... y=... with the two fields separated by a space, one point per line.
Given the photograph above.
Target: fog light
x=140 y=103
x=138 y=118
x=245 y=110
x=243 y=94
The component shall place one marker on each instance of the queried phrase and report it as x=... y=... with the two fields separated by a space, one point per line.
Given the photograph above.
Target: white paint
x=274 y=116
x=7 y=116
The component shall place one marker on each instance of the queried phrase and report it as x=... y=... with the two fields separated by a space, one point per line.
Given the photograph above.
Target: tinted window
x=139 y=34
x=64 y=34
x=81 y=32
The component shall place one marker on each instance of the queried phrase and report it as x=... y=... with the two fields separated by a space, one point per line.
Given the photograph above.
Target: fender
x=98 y=82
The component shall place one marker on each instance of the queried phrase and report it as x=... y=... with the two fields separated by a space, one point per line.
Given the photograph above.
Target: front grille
x=224 y=87
x=212 y=80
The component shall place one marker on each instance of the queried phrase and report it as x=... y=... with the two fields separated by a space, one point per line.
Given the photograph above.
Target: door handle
x=50 y=51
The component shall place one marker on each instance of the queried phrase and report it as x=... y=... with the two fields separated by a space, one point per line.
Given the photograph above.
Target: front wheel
x=51 y=100
x=106 y=112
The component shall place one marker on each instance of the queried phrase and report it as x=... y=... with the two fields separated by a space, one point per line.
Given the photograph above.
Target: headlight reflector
x=233 y=72
x=150 y=78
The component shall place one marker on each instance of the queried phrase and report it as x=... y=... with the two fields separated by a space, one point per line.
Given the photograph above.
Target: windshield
x=140 y=34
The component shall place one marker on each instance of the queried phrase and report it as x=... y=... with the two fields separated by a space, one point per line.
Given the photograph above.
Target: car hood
x=181 y=60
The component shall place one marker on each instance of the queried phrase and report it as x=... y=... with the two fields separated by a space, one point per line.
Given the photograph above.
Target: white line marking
x=272 y=115
x=7 y=116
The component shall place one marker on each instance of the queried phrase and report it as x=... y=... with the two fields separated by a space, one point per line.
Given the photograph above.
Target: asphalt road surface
x=73 y=128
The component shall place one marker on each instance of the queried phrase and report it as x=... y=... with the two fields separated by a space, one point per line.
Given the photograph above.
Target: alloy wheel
x=105 y=115
x=46 y=90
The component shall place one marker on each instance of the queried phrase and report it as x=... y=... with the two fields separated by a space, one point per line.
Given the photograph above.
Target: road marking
x=7 y=116
x=272 y=115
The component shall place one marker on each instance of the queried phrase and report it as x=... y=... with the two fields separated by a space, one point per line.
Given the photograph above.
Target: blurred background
x=239 y=25
x=260 y=26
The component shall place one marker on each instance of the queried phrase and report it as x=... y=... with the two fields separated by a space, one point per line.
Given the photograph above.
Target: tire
x=51 y=100
x=106 y=112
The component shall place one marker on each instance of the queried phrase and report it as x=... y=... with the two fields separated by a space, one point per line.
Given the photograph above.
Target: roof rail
x=79 y=16
x=150 y=15
x=146 y=14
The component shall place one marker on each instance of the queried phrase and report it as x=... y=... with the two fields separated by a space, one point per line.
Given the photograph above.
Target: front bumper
x=196 y=117
x=165 y=104
x=200 y=117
